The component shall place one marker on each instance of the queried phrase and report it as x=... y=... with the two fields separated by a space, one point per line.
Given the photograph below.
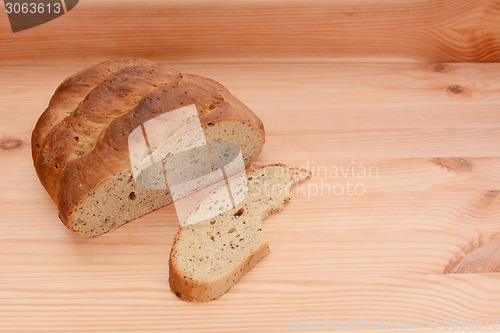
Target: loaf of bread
x=210 y=256
x=80 y=148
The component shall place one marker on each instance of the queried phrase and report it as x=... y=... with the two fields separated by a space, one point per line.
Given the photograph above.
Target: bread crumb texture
x=210 y=256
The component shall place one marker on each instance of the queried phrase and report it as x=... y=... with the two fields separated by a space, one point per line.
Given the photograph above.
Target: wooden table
x=430 y=207
x=416 y=239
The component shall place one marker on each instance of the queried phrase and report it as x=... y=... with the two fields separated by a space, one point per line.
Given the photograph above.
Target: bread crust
x=70 y=177
x=77 y=133
x=71 y=92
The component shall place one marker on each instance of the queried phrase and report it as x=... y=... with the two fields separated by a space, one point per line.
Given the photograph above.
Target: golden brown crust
x=88 y=146
x=76 y=134
x=71 y=92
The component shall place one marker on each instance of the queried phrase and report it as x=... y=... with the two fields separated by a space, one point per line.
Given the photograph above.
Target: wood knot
x=453 y=163
x=483 y=259
x=492 y=194
x=455 y=89
x=486 y=199
x=441 y=68
x=10 y=144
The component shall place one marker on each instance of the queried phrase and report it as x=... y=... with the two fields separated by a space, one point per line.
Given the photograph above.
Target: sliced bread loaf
x=80 y=143
x=210 y=256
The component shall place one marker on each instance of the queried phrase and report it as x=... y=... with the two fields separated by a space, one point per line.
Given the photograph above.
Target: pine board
x=412 y=30
x=421 y=243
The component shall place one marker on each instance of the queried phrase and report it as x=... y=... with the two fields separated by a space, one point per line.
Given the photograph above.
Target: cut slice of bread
x=210 y=256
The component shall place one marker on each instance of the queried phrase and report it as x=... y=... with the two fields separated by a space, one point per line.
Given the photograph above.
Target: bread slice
x=80 y=143
x=210 y=256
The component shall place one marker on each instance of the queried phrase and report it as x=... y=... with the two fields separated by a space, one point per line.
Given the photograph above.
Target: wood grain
x=300 y=254
x=421 y=243
x=441 y=31
x=132 y=304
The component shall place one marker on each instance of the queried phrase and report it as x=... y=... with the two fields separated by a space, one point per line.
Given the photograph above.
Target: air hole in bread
x=132 y=196
x=239 y=212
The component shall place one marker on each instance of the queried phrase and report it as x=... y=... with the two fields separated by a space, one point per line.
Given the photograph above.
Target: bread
x=80 y=148
x=210 y=256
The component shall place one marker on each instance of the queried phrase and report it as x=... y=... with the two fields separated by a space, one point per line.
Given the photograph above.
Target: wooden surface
x=422 y=242
x=177 y=30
